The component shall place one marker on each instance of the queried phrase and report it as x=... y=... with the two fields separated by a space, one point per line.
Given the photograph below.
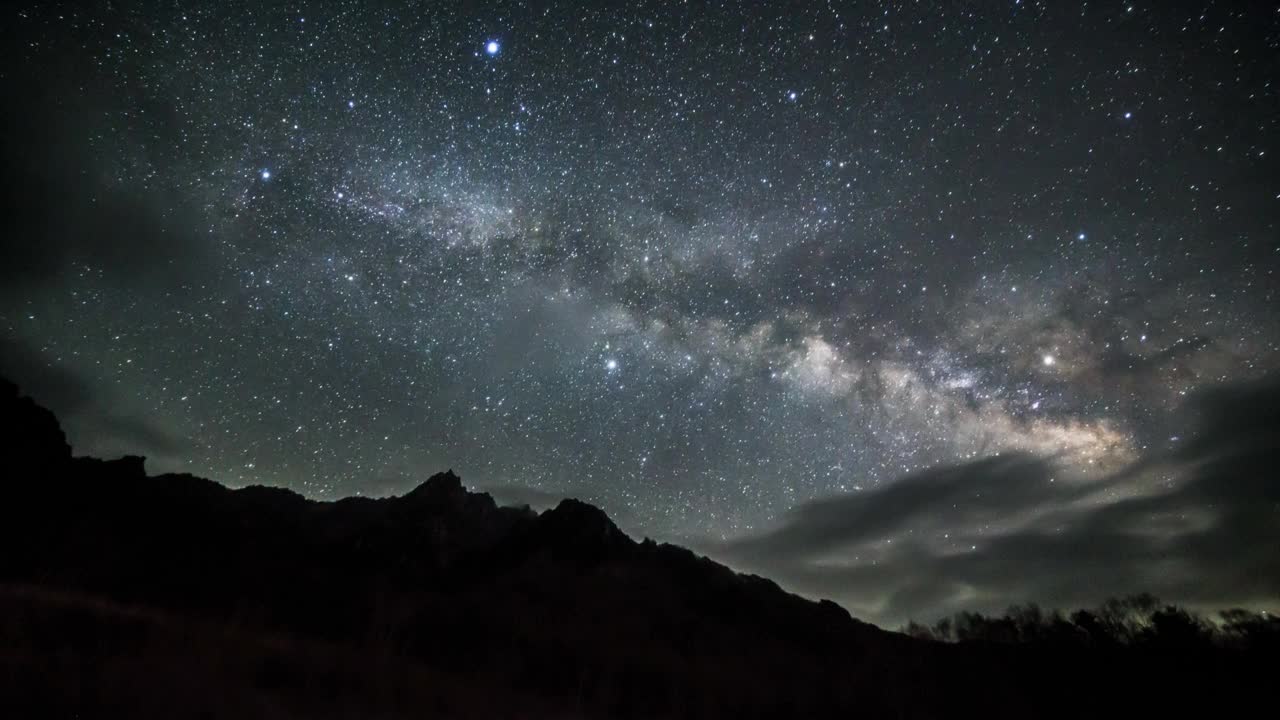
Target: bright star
x=611 y=364
x=1049 y=360
x=266 y=174
x=492 y=47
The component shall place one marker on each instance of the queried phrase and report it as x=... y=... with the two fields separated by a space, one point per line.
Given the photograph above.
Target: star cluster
x=697 y=264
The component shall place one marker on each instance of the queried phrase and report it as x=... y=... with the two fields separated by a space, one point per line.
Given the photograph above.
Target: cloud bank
x=1199 y=523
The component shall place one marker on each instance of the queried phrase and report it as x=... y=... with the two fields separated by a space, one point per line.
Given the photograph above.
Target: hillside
x=171 y=595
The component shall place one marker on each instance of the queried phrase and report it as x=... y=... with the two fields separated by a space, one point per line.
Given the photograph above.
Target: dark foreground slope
x=172 y=596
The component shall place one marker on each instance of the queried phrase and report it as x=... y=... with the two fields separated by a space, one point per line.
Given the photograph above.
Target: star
x=880 y=280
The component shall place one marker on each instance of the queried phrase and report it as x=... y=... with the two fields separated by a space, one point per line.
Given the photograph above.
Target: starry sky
x=918 y=306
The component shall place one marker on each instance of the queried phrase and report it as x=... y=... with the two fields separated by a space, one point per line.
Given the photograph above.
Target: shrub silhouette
x=123 y=594
x=1131 y=621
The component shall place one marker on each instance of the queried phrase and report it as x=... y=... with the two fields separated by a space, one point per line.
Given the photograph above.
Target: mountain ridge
x=502 y=609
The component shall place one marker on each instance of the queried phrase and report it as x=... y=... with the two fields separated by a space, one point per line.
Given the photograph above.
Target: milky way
x=700 y=265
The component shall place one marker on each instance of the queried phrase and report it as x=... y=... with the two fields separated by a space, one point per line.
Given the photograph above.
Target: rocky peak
x=445 y=487
x=574 y=521
x=29 y=433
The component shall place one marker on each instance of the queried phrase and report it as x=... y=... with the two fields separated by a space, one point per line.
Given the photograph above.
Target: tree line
x=1140 y=620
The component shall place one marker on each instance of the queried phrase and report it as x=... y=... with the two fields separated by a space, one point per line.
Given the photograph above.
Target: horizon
x=539 y=503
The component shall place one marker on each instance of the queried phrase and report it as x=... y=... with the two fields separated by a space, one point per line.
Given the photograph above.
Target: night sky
x=918 y=306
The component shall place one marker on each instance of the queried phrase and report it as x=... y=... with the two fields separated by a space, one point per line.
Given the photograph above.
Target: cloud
x=50 y=383
x=514 y=495
x=935 y=499
x=94 y=417
x=67 y=207
x=1198 y=524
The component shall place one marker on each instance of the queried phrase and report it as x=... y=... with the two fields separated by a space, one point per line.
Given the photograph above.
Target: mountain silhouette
x=127 y=594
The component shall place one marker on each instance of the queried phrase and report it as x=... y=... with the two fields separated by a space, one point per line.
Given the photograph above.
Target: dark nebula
x=916 y=306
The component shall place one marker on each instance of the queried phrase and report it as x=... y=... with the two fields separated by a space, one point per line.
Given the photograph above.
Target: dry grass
x=73 y=655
